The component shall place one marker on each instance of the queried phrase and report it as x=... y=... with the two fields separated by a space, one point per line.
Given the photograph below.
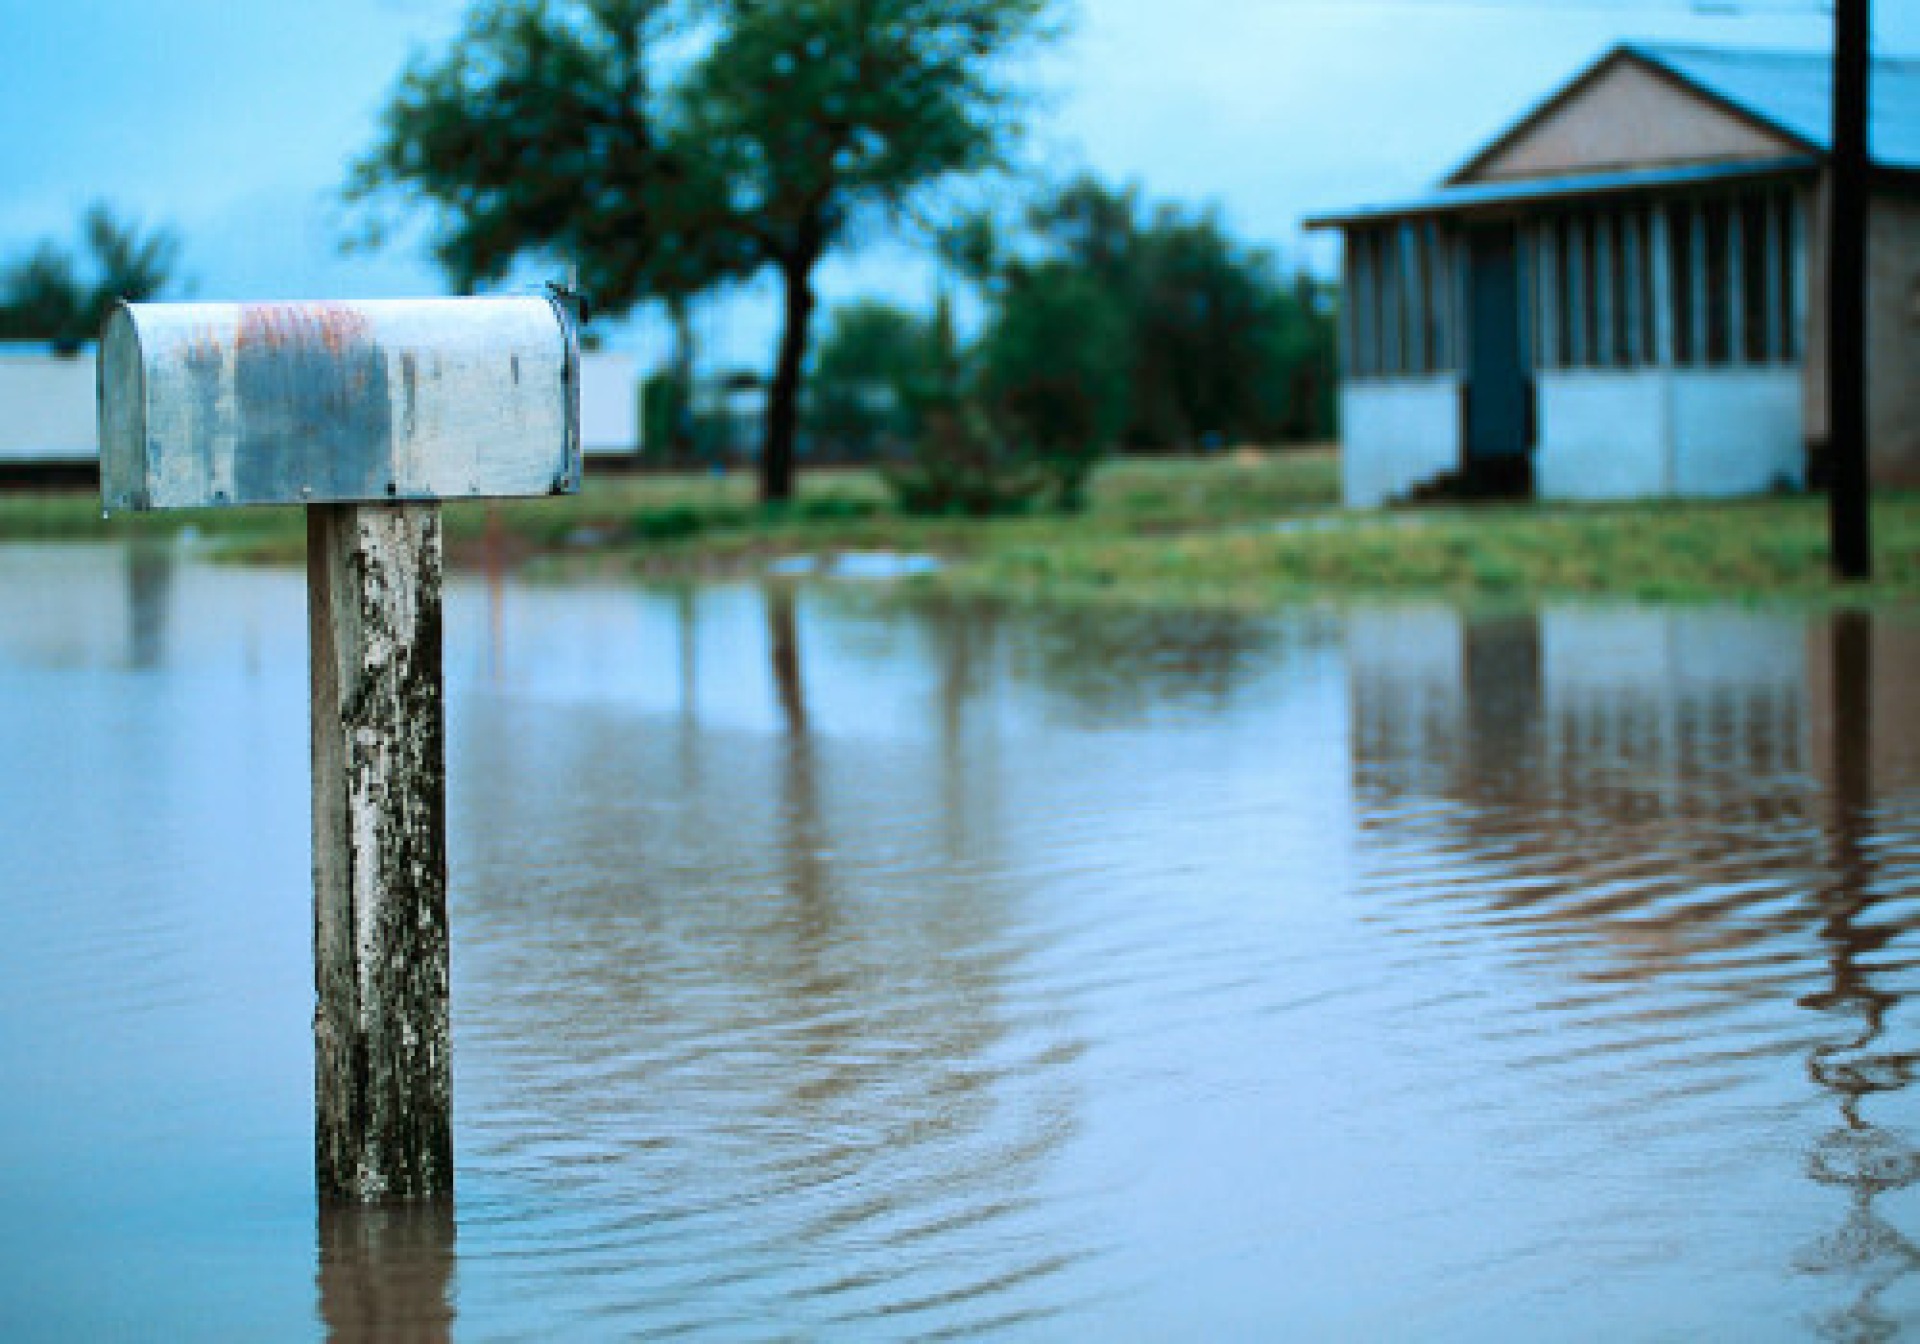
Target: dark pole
x=1852 y=551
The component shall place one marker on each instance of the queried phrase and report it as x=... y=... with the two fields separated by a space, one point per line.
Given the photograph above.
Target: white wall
x=1736 y=431
x=609 y=403
x=1603 y=435
x=1394 y=434
x=1681 y=432
x=46 y=407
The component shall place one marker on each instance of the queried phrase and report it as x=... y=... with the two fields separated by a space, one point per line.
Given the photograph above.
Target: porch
x=1618 y=336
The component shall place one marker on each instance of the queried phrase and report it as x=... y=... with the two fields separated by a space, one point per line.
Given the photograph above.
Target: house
x=1621 y=294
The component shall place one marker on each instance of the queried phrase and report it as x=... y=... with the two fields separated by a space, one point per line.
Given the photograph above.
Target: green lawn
x=1746 y=550
x=1242 y=531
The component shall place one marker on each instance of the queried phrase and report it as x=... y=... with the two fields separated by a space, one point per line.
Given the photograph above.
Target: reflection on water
x=1863 y=1159
x=150 y=564
x=827 y=969
x=386 y=1274
x=723 y=980
x=1670 y=824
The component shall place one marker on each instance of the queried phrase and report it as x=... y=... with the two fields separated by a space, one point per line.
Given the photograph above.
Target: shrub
x=834 y=508
x=1054 y=373
x=962 y=465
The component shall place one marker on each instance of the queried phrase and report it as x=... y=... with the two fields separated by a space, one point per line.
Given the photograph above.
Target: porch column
x=1660 y=257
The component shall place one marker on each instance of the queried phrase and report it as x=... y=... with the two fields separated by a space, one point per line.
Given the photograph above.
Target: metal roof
x=1450 y=200
x=1794 y=92
x=1788 y=91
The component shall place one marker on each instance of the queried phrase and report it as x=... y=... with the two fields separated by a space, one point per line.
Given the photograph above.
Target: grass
x=1241 y=531
x=1768 y=549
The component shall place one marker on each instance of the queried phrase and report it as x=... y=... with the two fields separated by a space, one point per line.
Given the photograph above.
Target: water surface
x=831 y=969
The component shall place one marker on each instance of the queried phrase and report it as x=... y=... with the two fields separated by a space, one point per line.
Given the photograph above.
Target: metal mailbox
x=219 y=404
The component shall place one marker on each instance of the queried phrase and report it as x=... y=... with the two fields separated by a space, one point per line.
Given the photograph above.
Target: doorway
x=1497 y=433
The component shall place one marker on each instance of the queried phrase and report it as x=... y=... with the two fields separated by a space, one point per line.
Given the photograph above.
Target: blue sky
x=234 y=121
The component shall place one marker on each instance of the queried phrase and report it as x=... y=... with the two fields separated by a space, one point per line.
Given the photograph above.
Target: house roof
x=1481 y=195
x=1793 y=92
x=1788 y=93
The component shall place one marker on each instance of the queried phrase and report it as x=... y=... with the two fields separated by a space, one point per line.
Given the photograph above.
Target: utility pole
x=1848 y=488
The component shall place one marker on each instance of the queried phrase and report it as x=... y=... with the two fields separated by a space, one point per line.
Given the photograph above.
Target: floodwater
x=829 y=969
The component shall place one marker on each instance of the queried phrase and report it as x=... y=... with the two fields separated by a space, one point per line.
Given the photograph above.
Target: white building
x=1619 y=295
x=46 y=407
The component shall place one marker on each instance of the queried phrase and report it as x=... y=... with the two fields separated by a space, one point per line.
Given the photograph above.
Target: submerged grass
x=1246 y=530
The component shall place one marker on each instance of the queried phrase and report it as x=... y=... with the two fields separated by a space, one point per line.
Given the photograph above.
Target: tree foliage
x=548 y=130
x=1220 y=347
x=1109 y=323
x=543 y=134
x=50 y=294
x=820 y=111
x=877 y=370
x=1053 y=371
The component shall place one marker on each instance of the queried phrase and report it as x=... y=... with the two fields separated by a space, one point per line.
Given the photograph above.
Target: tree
x=1106 y=322
x=537 y=135
x=1204 y=308
x=1300 y=348
x=544 y=132
x=877 y=368
x=822 y=112
x=47 y=296
x=1219 y=345
x=1053 y=371
x=43 y=298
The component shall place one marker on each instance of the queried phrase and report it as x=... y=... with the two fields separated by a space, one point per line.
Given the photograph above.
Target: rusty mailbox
x=217 y=404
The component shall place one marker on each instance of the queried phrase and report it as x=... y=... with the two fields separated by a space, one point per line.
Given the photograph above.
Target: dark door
x=1499 y=410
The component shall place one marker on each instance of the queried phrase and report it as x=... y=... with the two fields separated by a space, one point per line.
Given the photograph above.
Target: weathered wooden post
x=368 y=414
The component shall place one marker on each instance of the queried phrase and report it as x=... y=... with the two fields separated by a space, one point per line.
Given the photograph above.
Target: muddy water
x=830 y=970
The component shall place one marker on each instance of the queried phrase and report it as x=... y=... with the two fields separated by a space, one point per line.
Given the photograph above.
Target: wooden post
x=383 y=1086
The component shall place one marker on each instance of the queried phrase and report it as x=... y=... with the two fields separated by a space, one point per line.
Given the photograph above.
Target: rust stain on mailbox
x=304 y=403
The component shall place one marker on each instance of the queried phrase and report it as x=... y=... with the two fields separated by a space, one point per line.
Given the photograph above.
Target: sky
x=234 y=122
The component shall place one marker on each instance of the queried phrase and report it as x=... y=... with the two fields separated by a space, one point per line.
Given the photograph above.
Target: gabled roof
x=1787 y=93
x=1793 y=92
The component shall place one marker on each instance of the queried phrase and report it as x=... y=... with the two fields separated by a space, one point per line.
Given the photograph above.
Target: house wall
x=1893 y=336
x=46 y=408
x=1395 y=434
x=1735 y=431
x=1628 y=116
x=1603 y=434
x=1639 y=433
x=1813 y=281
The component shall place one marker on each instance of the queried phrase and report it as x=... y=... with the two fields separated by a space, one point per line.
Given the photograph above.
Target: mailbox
x=218 y=404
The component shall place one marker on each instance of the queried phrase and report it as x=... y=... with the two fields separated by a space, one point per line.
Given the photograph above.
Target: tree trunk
x=680 y=434
x=783 y=401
